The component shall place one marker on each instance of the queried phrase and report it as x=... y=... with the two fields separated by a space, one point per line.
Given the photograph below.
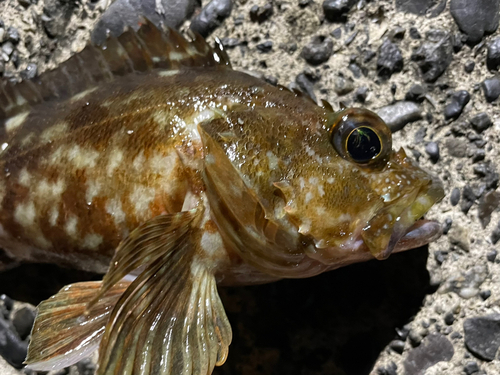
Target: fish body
x=172 y=173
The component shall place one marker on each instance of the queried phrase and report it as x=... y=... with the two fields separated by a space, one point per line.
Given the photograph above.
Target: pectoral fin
x=170 y=320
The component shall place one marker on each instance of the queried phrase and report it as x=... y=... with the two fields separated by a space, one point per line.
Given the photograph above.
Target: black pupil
x=363 y=144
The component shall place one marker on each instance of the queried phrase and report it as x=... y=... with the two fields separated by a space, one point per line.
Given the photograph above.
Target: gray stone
x=336 y=10
x=434 y=55
x=211 y=16
x=318 y=50
x=435 y=348
x=482 y=336
x=419 y=7
x=456 y=105
x=493 y=54
x=475 y=17
x=481 y=122
x=390 y=59
x=399 y=114
x=491 y=89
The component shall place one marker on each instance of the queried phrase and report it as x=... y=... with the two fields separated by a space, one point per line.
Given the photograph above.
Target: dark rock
x=342 y=85
x=403 y=332
x=495 y=234
x=13 y=35
x=230 y=42
x=477 y=155
x=350 y=38
x=415 y=338
x=471 y=367
x=368 y=55
x=355 y=69
x=440 y=256
x=261 y=14
x=414 y=34
x=432 y=149
x=390 y=369
x=416 y=93
x=482 y=336
x=211 y=16
x=30 y=72
x=122 y=13
x=394 y=88
x=434 y=349
x=12 y=349
x=7 y=302
x=468 y=199
x=397 y=115
x=480 y=122
x=458 y=42
x=491 y=89
x=475 y=17
x=455 y=196
x=390 y=59
x=397 y=34
x=493 y=55
x=420 y=134
x=487 y=171
x=23 y=320
x=456 y=147
x=469 y=66
x=434 y=55
x=458 y=101
x=449 y=318
x=419 y=7
x=491 y=256
x=447 y=225
x=336 y=10
x=265 y=47
x=398 y=346
x=337 y=33
x=485 y=294
x=487 y=204
x=306 y=85
x=318 y=50
x=361 y=94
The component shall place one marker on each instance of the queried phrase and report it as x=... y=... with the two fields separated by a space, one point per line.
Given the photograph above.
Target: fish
x=151 y=160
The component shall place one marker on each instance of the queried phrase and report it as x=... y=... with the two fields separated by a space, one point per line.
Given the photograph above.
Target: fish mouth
x=397 y=226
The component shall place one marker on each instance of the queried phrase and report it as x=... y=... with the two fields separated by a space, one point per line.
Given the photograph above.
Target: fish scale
x=154 y=162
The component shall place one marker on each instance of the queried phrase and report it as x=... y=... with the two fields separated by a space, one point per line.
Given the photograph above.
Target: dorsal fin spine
x=134 y=51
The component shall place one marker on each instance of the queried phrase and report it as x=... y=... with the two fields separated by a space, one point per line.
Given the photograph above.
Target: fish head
x=352 y=195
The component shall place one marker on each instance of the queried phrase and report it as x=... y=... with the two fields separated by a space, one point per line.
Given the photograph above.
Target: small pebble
x=481 y=122
x=13 y=35
x=336 y=33
x=390 y=59
x=30 y=72
x=491 y=89
x=211 y=16
x=416 y=93
x=265 y=47
x=12 y=349
x=471 y=367
x=432 y=149
x=493 y=54
x=336 y=10
x=485 y=294
x=448 y=222
x=318 y=50
x=361 y=94
x=455 y=196
x=342 y=85
x=495 y=234
x=488 y=203
x=457 y=103
x=440 y=256
x=398 y=346
x=23 y=320
x=306 y=85
x=261 y=14
x=468 y=199
x=390 y=369
x=7 y=301
x=399 y=114
x=414 y=34
x=482 y=336
x=469 y=66
x=491 y=256
x=449 y=318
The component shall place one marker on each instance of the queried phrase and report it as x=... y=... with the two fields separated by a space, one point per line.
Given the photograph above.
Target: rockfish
x=151 y=160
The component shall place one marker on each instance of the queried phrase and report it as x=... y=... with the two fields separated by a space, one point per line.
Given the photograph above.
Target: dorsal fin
x=138 y=51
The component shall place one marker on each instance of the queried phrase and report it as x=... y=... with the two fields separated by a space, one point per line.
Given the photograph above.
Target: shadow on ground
x=336 y=323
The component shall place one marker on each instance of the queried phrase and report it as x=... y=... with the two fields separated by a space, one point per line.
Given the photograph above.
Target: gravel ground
x=429 y=68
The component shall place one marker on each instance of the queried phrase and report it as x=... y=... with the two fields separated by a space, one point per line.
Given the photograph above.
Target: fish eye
x=361 y=136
